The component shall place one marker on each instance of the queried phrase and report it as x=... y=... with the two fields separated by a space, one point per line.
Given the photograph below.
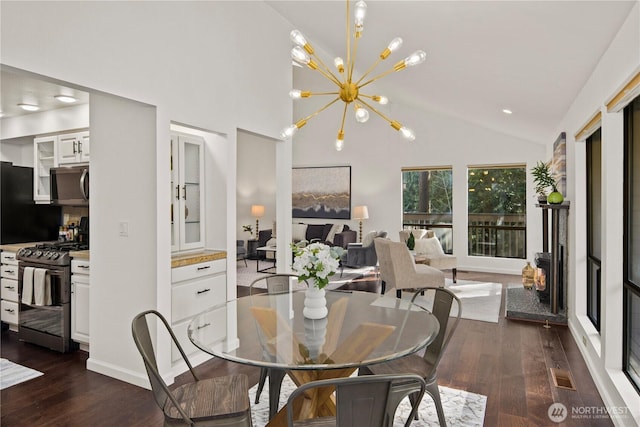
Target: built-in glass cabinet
x=187 y=192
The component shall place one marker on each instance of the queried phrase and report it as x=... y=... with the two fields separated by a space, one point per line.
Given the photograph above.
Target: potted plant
x=544 y=179
x=248 y=229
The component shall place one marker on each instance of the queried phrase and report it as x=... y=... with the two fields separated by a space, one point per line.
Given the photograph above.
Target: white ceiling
x=531 y=57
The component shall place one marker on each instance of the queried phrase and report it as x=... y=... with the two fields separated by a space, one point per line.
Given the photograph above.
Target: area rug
x=461 y=408
x=12 y=373
x=480 y=300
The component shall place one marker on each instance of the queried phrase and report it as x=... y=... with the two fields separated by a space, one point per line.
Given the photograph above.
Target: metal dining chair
x=219 y=401
x=362 y=401
x=426 y=365
x=275 y=284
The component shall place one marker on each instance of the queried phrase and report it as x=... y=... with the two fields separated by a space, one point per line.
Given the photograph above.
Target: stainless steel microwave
x=70 y=186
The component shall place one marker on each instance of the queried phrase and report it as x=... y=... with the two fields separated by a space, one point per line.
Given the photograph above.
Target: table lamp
x=360 y=213
x=257 y=211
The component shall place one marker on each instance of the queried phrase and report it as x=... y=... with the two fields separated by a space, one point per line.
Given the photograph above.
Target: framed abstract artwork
x=321 y=192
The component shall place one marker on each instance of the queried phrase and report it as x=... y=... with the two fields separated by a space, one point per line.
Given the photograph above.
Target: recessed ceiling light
x=65 y=98
x=29 y=107
x=507 y=111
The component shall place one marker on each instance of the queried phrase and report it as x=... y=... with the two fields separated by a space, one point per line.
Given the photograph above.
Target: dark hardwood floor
x=509 y=362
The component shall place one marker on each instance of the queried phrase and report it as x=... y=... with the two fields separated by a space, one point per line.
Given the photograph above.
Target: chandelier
x=349 y=90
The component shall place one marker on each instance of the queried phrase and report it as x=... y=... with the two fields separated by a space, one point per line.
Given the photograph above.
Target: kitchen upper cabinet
x=73 y=148
x=187 y=192
x=45 y=157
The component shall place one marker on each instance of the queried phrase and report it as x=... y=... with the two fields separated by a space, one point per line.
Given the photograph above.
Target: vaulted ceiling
x=531 y=57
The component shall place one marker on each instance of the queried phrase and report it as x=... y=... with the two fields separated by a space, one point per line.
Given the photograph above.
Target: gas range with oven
x=46 y=323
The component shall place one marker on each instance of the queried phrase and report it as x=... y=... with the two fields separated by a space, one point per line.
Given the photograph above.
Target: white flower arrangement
x=316 y=261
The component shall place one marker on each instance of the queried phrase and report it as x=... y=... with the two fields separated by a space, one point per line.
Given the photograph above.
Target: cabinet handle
x=79 y=147
x=204 y=291
x=84 y=266
x=203 y=326
x=177 y=192
x=74 y=147
x=10 y=271
x=11 y=288
x=10 y=310
x=204 y=268
x=10 y=258
x=184 y=192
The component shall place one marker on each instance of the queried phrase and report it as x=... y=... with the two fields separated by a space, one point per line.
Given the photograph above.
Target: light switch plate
x=123 y=228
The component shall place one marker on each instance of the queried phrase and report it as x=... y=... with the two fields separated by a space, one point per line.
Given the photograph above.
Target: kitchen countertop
x=181 y=260
x=15 y=247
x=79 y=254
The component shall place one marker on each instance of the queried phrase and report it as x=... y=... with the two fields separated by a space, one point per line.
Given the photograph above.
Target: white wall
x=18 y=151
x=183 y=58
x=256 y=181
x=602 y=351
x=377 y=153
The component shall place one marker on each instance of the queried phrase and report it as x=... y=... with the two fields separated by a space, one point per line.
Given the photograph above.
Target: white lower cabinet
x=9 y=289
x=80 y=300
x=196 y=288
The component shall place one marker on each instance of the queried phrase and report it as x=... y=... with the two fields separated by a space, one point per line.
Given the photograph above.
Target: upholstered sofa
x=330 y=234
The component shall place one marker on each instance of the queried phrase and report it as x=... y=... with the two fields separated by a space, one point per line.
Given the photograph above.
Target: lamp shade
x=257 y=211
x=360 y=212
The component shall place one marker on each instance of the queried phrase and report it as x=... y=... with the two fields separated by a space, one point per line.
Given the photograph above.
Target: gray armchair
x=362 y=254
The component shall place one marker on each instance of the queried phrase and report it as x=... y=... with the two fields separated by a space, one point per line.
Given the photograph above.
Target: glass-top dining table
x=269 y=331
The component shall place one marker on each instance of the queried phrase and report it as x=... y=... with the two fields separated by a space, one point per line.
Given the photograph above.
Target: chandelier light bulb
x=362 y=115
x=417 y=57
x=288 y=132
x=395 y=44
x=339 y=144
x=298 y=38
x=360 y=13
x=407 y=133
x=295 y=94
x=299 y=55
x=380 y=99
x=339 y=63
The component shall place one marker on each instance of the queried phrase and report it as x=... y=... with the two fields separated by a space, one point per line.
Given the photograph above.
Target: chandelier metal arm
x=379 y=76
x=344 y=114
x=353 y=59
x=329 y=76
x=375 y=64
x=326 y=71
x=312 y=115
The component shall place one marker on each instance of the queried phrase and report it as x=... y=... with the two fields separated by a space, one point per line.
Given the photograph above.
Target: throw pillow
x=298 y=232
x=368 y=238
x=315 y=231
x=335 y=229
x=429 y=247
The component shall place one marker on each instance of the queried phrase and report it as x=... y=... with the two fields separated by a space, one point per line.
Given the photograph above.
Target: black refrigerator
x=21 y=220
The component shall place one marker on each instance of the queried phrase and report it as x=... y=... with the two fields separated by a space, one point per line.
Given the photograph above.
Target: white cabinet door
x=72 y=146
x=80 y=311
x=80 y=281
x=187 y=188
x=45 y=157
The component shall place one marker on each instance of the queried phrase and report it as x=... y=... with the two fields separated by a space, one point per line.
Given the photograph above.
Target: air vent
x=562 y=379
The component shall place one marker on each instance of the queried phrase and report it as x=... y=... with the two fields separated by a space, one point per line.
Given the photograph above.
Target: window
x=631 y=275
x=427 y=202
x=594 y=225
x=497 y=211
